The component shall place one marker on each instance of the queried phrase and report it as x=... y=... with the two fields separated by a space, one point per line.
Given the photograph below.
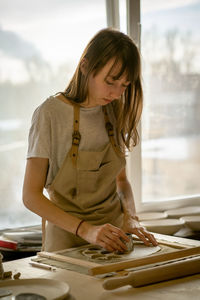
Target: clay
x=99 y=255
x=17 y=275
x=7 y=275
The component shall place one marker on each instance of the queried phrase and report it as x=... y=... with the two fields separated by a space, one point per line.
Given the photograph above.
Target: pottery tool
x=129 y=244
x=170 y=270
x=42 y=266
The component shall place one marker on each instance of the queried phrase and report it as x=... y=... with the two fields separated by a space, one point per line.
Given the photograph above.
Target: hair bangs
x=118 y=69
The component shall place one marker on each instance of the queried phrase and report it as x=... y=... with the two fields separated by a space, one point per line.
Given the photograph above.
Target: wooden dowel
x=156 y=274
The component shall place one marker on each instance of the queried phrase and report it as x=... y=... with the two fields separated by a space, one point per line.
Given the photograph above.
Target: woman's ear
x=84 y=66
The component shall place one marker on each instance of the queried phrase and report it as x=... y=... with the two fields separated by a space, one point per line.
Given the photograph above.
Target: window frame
x=134 y=159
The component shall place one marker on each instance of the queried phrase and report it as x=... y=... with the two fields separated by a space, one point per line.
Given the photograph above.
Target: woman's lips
x=108 y=100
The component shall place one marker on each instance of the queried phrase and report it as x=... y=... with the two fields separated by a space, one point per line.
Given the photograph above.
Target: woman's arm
x=130 y=222
x=106 y=235
x=33 y=198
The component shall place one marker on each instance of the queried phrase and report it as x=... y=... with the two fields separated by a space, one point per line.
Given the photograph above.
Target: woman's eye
x=125 y=85
x=109 y=83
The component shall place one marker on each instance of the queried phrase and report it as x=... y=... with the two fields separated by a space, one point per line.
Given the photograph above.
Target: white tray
x=183 y=211
x=192 y=221
x=164 y=226
x=49 y=288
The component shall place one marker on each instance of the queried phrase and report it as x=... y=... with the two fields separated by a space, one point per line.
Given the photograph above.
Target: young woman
x=77 y=145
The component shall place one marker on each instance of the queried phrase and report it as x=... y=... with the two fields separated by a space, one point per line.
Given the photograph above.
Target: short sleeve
x=39 y=134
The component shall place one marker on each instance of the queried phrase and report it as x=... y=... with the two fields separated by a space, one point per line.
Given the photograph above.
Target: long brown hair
x=104 y=46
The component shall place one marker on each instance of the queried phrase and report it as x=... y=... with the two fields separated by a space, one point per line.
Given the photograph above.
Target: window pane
x=171 y=118
x=40 y=45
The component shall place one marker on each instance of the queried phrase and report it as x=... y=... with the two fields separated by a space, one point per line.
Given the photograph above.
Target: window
x=40 y=45
x=171 y=120
x=164 y=167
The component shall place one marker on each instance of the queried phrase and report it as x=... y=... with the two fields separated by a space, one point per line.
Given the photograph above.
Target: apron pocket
x=87 y=181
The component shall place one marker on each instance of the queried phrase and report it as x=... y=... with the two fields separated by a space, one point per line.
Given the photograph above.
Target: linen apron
x=85 y=187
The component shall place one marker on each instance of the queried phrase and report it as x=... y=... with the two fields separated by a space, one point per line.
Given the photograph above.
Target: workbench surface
x=84 y=287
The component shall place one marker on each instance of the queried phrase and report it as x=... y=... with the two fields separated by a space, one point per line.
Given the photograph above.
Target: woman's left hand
x=132 y=225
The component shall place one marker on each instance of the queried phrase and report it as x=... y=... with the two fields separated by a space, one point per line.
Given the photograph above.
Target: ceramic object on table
x=183 y=211
x=151 y=216
x=193 y=222
x=49 y=288
x=164 y=226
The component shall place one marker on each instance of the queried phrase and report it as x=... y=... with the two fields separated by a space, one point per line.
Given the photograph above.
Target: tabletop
x=84 y=287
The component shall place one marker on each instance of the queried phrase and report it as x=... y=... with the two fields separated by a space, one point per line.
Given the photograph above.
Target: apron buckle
x=109 y=128
x=76 y=137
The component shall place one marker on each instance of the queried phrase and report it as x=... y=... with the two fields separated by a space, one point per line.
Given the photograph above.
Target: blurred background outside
x=40 y=46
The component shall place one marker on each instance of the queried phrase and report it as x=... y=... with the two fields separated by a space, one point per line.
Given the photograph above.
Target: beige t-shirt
x=51 y=131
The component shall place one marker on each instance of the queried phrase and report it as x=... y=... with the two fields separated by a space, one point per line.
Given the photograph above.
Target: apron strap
x=76 y=136
x=110 y=131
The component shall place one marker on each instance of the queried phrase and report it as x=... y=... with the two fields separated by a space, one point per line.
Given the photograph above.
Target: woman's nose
x=116 y=92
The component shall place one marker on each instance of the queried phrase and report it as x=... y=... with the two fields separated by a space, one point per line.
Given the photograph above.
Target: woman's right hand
x=107 y=236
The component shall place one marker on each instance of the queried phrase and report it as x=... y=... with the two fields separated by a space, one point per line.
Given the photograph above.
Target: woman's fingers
x=112 y=238
x=115 y=241
x=141 y=236
x=145 y=236
x=150 y=237
x=110 y=245
x=118 y=232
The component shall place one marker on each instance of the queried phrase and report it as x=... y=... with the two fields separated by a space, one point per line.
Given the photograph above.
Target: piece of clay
x=113 y=257
x=95 y=248
x=105 y=252
x=101 y=255
x=7 y=274
x=97 y=255
x=17 y=275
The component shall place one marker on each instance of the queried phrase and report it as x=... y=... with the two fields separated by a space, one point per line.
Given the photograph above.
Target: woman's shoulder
x=52 y=105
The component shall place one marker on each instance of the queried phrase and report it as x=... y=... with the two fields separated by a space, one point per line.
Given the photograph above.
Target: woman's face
x=103 y=88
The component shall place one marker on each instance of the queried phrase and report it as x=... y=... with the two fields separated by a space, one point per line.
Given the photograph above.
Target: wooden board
x=172 y=249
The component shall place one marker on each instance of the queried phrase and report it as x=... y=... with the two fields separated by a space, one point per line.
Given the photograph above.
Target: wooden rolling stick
x=170 y=270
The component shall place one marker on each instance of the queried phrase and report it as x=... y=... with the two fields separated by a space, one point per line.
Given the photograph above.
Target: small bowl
x=193 y=222
x=165 y=226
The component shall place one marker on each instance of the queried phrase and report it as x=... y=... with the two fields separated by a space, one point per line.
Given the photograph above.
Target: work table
x=84 y=287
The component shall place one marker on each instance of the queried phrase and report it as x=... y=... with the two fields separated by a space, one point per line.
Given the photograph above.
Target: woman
x=77 y=145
